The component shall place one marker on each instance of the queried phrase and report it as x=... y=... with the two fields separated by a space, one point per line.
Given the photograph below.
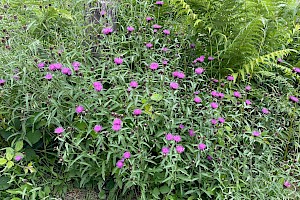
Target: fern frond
x=183 y=7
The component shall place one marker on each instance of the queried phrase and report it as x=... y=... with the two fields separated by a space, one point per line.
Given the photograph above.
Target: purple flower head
x=55 y=66
x=197 y=100
x=200 y=59
x=154 y=66
x=116 y=127
x=118 y=61
x=177 y=138
x=248 y=88
x=287 y=184
x=98 y=128
x=192 y=132
x=201 y=146
x=126 y=155
x=230 y=78
x=215 y=80
x=196 y=93
x=199 y=70
x=192 y=46
x=181 y=126
x=237 y=94
x=117 y=121
x=166 y=32
x=209 y=158
x=248 y=102
x=165 y=150
x=214 y=105
x=294 y=99
x=97 y=86
x=265 y=111
x=102 y=13
x=107 y=31
x=159 y=3
x=221 y=95
x=296 y=69
x=221 y=120
x=66 y=71
x=213 y=121
x=164 y=62
x=76 y=64
x=149 y=45
x=79 y=109
x=174 y=85
x=130 y=29
x=210 y=58
x=149 y=19
x=41 y=65
x=256 y=133
x=156 y=26
x=178 y=74
x=214 y=94
x=164 y=49
x=48 y=76
x=179 y=149
x=133 y=84
x=169 y=137
x=279 y=60
x=59 y=130
x=137 y=112
x=120 y=164
x=18 y=158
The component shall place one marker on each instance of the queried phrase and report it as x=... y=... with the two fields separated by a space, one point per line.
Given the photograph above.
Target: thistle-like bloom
x=126 y=155
x=159 y=3
x=256 y=133
x=76 y=66
x=213 y=121
x=177 y=138
x=79 y=109
x=248 y=102
x=230 y=78
x=133 y=84
x=287 y=184
x=201 y=146
x=248 y=88
x=214 y=94
x=210 y=58
x=214 y=105
x=66 y=71
x=130 y=29
x=2 y=82
x=149 y=45
x=165 y=150
x=265 y=111
x=119 y=164
x=116 y=127
x=59 y=130
x=156 y=26
x=197 y=100
x=153 y=66
x=179 y=149
x=237 y=94
x=97 y=86
x=169 y=137
x=199 y=70
x=118 y=61
x=181 y=126
x=149 y=19
x=294 y=99
x=117 y=121
x=41 y=65
x=137 y=112
x=166 y=32
x=192 y=132
x=174 y=85
x=18 y=158
x=221 y=120
x=107 y=31
x=97 y=128
x=48 y=76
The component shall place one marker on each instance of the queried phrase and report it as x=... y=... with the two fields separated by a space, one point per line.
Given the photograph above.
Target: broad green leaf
x=9 y=153
x=155 y=192
x=156 y=97
x=9 y=164
x=164 y=189
x=19 y=145
x=3 y=161
x=4 y=182
x=33 y=137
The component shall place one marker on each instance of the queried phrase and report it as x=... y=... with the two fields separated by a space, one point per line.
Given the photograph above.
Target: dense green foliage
x=138 y=112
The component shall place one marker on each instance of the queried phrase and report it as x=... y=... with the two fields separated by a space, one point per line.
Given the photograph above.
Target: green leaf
x=9 y=164
x=33 y=137
x=4 y=182
x=156 y=97
x=164 y=189
x=19 y=145
x=9 y=153
x=155 y=192
x=3 y=161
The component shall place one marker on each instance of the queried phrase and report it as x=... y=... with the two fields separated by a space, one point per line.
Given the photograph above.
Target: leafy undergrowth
x=129 y=111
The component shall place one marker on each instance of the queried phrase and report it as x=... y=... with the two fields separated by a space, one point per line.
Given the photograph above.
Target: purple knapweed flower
x=156 y=26
x=118 y=61
x=41 y=65
x=200 y=59
x=177 y=138
x=107 y=31
x=230 y=78
x=48 y=76
x=159 y=3
x=59 y=130
x=66 y=71
x=18 y=158
x=192 y=46
x=79 y=109
x=102 y=13
x=265 y=111
x=192 y=132
x=201 y=146
x=164 y=62
x=174 y=85
x=197 y=100
x=209 y=158
x=133 y=84
x=119 y=164
x=237 y=94
x=221 y=95
x=196 y=93
x=2 y=82
x=287 y=184
x=179 y=149
x=116 y=127
x=248 y=88
x=130 y=29
x=296 y=69
x=294 y=99
x=181 y=126
x=153 y=66
x=215 y=80
x=126 y=155
x=256 y=133
x=76 y=66
x=221 y=120
x=137 y=112
x=178 y=74
x=210 y=58
x=169 y=137
x=98 y=128
x=199 y=70
x=149 y=19
x=165 y=150
x=214 y=94
x=97 y=86
x=55 y=66
x=248 y=102
x=164 y=49
x=213 y=121
x=149 y=45
x=279 y=60
x=117 y=121
x=214 y=105
x=166 y=32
